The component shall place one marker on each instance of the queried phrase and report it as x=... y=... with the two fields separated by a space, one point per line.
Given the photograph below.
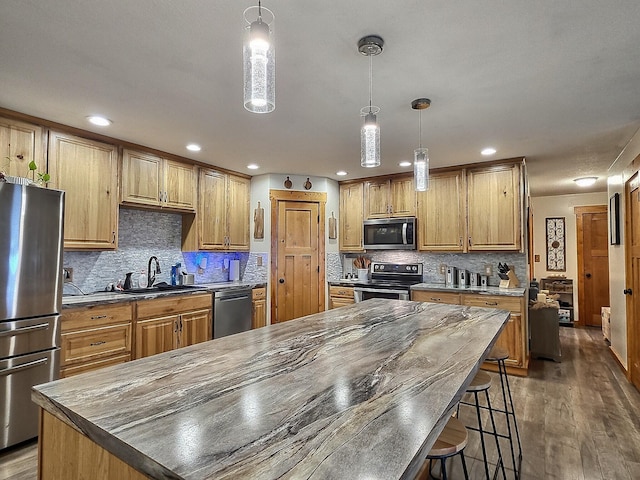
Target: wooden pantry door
x=297 y=244
x=632 y=228
x=592 y=227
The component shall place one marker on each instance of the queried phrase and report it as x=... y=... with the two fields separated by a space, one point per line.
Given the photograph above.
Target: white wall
x=560 y=206
x=619 y=173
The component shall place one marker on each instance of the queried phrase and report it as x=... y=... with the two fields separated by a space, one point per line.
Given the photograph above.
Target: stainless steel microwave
x=390 y=234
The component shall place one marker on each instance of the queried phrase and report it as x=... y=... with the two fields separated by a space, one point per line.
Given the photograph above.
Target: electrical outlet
x=488 y=269
x=67 y=274
x=443 y=269
x=259 y=260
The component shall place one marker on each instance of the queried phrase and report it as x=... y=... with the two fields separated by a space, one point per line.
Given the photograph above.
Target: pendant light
x=370 y=133
x=259 y=60
x=420 y=154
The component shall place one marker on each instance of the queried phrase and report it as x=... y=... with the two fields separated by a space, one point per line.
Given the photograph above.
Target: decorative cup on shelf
x=363 y=274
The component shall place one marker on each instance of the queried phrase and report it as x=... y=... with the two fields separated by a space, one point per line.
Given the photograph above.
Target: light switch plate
x=259 y=260
x=67 y=274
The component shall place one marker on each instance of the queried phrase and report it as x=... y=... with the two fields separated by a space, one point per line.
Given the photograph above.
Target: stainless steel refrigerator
x=31 y=228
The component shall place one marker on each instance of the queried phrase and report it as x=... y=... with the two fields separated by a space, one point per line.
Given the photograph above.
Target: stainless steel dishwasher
x=231 y=311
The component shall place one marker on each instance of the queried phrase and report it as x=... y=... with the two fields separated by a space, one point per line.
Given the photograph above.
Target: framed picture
x=614 y=219
x=556 y=244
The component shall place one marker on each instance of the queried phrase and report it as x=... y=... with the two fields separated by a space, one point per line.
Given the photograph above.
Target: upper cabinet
x=88 y=172
x=223 y=212
x=20 y=143
x=442 y=213
x=152 y=181
x=351 y=217
x=395 y=197
x=494 y=207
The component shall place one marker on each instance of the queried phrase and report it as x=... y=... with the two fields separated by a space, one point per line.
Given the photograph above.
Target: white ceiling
x=555 y=81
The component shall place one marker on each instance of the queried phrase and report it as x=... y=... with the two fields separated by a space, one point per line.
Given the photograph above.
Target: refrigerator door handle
x=18 y=331
x=25 y=366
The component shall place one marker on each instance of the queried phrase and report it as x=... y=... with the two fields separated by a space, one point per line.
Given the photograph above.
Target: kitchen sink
x=161 y=287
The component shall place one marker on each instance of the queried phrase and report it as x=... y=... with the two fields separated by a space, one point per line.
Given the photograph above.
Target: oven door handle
x=404 y=233
x=377 y=290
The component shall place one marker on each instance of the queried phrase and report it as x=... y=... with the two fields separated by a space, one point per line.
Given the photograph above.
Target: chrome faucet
x=151 y=274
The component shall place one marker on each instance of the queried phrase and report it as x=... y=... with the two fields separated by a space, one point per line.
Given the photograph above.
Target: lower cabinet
x=340 y=296
x=164 y=324
x=94 y=337
x=259 y=307
x=514 y=334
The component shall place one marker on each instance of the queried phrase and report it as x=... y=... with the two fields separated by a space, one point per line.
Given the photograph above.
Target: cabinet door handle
x=160 y=196
x=95 y=344
x=113 y=238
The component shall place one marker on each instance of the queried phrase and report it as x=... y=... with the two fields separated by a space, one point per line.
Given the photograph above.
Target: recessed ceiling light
x=405 y=164
x=194 y=147
x=100 y=121
x=488 y=151
x=585 y=181
x=341 y=173
x=253 y=166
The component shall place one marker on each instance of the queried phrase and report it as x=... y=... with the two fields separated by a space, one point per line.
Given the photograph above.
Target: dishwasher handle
x=231 y=295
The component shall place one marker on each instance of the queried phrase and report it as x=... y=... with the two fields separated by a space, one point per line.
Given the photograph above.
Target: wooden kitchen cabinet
x=20 y=143
x=259 y=307
x=222 y=221
x=391 y=197
x=494 y=208
x=152 y=181
x=442 y=213
x=436 y=296
x=340 y=296
x=166 y=323
x=88 y=172
x=351 y=217
x=514 y=335
x=94 y=337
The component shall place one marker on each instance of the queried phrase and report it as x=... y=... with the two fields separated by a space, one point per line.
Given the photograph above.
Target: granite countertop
x=97 y=298
x=441 y=287
x=361 y=391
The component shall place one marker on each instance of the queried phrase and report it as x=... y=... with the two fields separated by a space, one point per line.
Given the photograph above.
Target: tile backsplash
x=141 y=234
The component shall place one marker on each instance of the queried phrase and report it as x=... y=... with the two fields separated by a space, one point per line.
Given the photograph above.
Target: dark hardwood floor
x=578 y=419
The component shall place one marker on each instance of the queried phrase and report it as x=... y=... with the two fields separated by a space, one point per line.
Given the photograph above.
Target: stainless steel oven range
x=389 y=280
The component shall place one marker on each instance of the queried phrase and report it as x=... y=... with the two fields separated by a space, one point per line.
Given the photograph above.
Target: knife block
x=511 y=282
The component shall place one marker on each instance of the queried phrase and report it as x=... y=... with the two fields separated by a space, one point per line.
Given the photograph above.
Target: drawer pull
x=435 y=299
x=493 y=304
x=95 y=344
x=97 y=317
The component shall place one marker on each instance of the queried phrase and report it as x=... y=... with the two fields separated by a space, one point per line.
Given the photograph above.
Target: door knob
x=588 y=275
x=281 y=280
x=627 y=291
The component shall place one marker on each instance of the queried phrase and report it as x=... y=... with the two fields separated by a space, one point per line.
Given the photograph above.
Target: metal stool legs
x=443 y=468
x=510 y=416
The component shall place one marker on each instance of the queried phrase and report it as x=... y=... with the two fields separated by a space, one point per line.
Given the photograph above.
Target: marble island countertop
x=71 y=301
x=360 y=392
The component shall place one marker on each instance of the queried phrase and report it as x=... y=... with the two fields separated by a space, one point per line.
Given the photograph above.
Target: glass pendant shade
x=421 y=169
x=259 y=61
x=370 y=142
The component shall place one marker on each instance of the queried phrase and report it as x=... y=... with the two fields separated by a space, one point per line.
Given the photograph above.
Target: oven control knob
x=408 y=267
x=381 y=267
x=414 y=268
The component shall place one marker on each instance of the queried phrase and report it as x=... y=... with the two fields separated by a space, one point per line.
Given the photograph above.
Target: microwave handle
x=404 y=233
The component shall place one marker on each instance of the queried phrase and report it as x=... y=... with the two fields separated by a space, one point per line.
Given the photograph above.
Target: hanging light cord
x=260 y=11
x=370 y=77
x=420 y=127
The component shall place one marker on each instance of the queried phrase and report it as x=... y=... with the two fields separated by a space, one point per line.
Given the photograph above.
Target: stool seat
x=452 y=440
x=482 y=381
x=498 y=353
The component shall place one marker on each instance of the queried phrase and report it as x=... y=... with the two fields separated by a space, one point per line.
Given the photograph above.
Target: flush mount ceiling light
x=194 y=147
x=98 y=120
x=253 y=166
x=488 y=151
x=420 y=154
x=341 y=173
x=259 y=60
x=585 y=181
x=370 y=46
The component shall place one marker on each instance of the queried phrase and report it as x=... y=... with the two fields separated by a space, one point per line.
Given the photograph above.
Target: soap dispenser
x=127 y=282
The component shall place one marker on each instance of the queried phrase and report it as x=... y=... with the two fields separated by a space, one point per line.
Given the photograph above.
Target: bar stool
x=481 y=383
x=499 y=355
x=450 y=442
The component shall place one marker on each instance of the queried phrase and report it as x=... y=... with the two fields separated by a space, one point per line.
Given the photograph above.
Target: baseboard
x=619 y=362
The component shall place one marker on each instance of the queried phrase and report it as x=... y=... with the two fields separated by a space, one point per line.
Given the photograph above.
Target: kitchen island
x=358 y=392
